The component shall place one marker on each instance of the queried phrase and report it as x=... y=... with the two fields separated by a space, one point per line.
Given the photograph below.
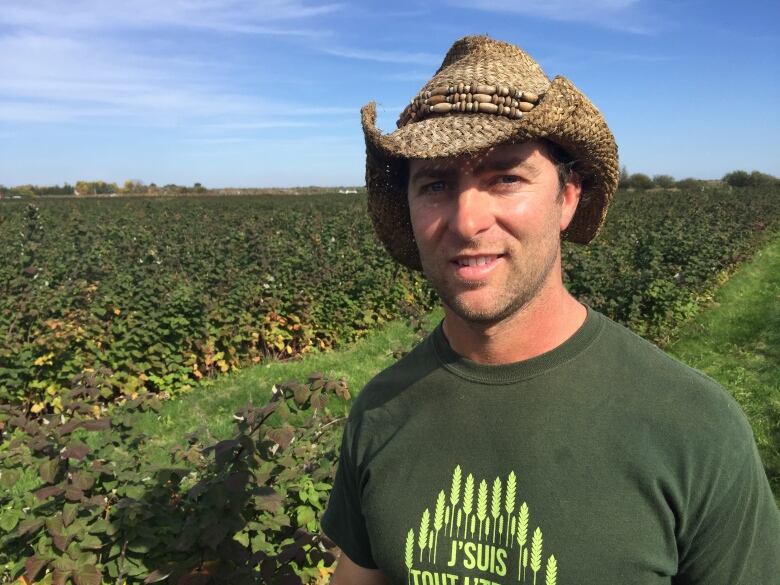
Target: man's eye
x=508 y=179
x=435 y=187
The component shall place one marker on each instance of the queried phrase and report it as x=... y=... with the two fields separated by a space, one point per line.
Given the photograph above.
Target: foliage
x=245 y=510
x=159 y=293
x=95 y=188
x=663 y=181
x=754 y=179
x=661 y=251
x=162 y=292
x=640 y=181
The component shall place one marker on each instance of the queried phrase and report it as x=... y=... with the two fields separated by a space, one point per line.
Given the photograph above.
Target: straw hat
x=485 y=93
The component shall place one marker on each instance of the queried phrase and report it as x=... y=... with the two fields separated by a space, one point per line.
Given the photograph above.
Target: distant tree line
x=635 y=181
x=86 y=188
x=641 y=181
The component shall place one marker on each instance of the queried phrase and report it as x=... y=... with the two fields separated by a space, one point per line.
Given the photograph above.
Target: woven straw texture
x=563 y=115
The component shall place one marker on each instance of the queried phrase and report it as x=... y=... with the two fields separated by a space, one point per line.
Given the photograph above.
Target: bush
x=245 y=510
x=641 y=181
x=663 y=181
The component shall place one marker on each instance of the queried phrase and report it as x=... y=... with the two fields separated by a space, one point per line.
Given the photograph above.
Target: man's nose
x=472 y=213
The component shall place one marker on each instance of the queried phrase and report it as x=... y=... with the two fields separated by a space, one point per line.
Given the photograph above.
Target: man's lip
x=482 y=255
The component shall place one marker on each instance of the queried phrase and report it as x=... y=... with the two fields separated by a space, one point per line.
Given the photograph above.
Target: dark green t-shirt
x=603 y=461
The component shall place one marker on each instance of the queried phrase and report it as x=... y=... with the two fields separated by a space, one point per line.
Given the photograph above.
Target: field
x=106 y=305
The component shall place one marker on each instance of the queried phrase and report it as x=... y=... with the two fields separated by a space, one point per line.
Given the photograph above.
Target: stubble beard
x=522 y=286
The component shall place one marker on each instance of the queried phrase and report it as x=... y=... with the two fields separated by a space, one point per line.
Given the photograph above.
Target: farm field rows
x=154 y=294
x=118 y=301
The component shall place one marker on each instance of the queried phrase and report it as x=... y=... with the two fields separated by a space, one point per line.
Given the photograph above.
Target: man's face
x=488 y=227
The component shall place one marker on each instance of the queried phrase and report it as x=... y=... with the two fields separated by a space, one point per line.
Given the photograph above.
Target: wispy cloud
x=241 y=16
x=404 y=57
x=614 y=14
x=83 y=59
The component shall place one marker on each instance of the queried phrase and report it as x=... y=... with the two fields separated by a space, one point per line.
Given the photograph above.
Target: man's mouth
x=476 y=260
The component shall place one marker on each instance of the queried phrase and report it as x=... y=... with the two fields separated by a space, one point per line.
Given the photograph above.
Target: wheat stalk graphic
x=409 y=556
x=481 y=505
x=509 y=502
x=438 y=519
x=536 y=552
x=522 y=534
x=422 y=537
x=495 y=509
x=455 y=493
x=468 y=499
x=430 y=545
x=551 y=572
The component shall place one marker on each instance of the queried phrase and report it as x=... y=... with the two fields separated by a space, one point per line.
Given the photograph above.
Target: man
x=530 y=439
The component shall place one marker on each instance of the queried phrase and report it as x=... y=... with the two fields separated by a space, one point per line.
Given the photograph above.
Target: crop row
x=161 y=292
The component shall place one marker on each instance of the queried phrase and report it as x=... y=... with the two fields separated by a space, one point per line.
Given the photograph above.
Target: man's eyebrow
x=505 y=164
x=432 y=170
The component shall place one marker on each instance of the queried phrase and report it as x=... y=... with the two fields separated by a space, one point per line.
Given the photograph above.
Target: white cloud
x=384 y=56
x=243 y=16
x=85 y=59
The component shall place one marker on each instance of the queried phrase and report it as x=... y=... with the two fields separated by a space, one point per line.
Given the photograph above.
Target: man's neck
x=540 y=326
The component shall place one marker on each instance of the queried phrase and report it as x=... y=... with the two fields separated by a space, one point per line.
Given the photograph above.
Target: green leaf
x=9 y=478
x=69 y=513
x=9 y=519
x=304 y=515
x=87 y=575
x=48 y=470
x=91 y=542
x=83 y=480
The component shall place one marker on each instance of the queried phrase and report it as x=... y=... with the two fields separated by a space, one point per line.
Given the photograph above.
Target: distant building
x=347 y=191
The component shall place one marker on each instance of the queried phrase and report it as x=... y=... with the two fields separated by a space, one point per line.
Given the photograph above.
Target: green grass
x=736 y=341
x=209 y=407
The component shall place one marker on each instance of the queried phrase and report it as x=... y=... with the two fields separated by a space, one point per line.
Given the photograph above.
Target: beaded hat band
x=486 y=93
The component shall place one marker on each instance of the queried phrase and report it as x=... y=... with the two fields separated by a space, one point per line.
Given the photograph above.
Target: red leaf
x=100 y=424
x=47 y=492
x=75 y=450
x=32 y=567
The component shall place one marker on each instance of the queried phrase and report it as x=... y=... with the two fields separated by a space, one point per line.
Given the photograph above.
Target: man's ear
x=570 y=198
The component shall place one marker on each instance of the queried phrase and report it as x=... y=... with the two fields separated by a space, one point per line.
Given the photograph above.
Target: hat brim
x=563 y=115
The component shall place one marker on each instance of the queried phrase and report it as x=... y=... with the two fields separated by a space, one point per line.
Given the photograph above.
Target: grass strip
x=208 y=408
x=736 y=341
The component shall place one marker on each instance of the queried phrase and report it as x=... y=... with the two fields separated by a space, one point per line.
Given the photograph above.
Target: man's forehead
x=503 y=156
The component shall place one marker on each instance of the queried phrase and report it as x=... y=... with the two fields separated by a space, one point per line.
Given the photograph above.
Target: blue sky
x=267 y=92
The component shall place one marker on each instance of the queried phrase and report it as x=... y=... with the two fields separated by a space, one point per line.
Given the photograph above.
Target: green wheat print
x=509 y=502
x=495 y=509
x=455 y=493
x=551 y=572
x=468 y=499
x=422 y=538
x=536 y=552
x=489 y=516
x=522 y=534
x=409 y=556
x=438 y=519
x=481 y=505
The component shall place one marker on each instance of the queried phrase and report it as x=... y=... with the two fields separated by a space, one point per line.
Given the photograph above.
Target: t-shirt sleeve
x=343 y=520
x=734 y=538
